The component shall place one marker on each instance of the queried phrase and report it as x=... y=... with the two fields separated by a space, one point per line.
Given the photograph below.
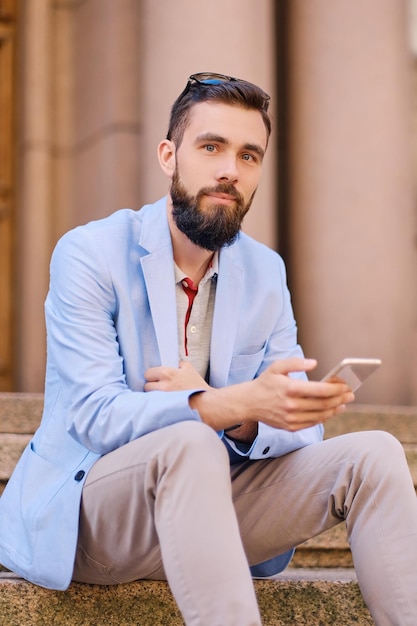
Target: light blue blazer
x=111 y=314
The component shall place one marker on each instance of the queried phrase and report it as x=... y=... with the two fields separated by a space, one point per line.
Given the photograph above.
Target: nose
x=227 y=170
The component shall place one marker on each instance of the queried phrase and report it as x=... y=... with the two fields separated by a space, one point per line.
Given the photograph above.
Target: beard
x=211 y=227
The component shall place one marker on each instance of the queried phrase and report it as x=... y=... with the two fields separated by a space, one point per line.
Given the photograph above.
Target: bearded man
x=181 y=438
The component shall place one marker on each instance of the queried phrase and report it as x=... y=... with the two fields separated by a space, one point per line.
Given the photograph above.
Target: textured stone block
x=11 y=447
x=20 y=412
x=401 y=421
x=303 y=599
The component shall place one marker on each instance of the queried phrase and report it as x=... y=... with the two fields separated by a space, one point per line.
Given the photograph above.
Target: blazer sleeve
x=86 y=381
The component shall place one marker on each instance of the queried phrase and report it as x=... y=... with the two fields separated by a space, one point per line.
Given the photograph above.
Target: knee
x=195 y=442
x=381 y=451
x=382 y=443
x=196 y=434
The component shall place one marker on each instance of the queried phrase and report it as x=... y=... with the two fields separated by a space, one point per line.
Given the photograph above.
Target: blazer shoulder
x=253 y=252
x=122 y=226
x=119 y=220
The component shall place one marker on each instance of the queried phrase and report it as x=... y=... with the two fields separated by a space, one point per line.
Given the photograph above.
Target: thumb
x=183 y=364
x=293 y=364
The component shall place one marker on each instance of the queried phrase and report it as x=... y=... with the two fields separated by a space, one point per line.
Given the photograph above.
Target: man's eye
x=209 y=147
x=247 y=157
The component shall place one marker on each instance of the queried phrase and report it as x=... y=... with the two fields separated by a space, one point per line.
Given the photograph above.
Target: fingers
x=174 y=379
x=161 y=372
x=304 y=414
x=321 y=399
x=316 y=401
x=294 y=420
x=333 y=387
x=186 y=365
x=153 y=374
x=159 y=378
x=294 y=364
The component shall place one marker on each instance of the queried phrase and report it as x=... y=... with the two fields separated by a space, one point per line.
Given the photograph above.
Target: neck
x=192 y=259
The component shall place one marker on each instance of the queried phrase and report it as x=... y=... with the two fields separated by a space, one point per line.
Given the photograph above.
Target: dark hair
x=234 y=92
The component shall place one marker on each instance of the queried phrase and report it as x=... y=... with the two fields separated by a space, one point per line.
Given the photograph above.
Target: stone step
x=401 y=421
x=300 y=597
x=20 y=412
x=330 y=550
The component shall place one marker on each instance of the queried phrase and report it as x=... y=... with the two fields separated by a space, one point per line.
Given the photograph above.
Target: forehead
x=234 y=123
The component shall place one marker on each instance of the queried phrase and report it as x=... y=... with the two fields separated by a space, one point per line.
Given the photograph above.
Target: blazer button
x=79 y=475
x=266 y=450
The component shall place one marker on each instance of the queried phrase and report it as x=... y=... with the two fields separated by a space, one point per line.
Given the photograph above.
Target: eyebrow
x=251 y=147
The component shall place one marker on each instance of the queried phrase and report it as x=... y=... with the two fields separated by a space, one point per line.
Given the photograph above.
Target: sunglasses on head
x=211 y=78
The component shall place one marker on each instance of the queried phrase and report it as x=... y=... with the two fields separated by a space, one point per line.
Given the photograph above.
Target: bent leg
x=163 y=503
x=360 y=477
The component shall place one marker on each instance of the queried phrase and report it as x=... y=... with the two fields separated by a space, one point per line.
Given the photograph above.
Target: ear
x=166 y=157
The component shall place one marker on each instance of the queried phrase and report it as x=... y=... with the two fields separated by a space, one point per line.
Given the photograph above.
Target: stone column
x=34 y=188
x=352 y=198
x=181 y=38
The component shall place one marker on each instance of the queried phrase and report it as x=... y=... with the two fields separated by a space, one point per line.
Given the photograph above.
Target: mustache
x=226 y=188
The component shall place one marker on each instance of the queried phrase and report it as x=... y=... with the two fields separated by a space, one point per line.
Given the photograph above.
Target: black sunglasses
x=211 y=78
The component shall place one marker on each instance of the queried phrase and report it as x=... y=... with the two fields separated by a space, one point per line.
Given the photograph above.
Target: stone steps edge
x=305 y=598
x=20 y=412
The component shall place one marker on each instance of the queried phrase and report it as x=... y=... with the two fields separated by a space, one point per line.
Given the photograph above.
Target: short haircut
x=233 y=92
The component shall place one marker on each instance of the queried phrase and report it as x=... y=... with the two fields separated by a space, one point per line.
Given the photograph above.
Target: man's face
x=217 y=170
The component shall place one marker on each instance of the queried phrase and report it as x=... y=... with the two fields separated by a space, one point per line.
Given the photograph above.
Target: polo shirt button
x=79 y=475
x=266 y=450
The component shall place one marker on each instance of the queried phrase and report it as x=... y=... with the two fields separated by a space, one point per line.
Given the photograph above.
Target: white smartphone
x=353 y=371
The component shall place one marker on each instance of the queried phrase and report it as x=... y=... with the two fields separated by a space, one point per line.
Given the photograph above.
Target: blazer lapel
x=158 y=271
x=225 y=318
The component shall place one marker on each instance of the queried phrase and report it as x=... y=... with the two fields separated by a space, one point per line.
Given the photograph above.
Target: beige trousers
x=168 y=505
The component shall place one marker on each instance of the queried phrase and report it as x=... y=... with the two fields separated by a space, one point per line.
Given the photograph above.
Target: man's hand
x=274 y=399
x=174 y=379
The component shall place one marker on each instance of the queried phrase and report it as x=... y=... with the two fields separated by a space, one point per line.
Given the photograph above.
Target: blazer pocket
x=42 y=481
x=244 y=367
x=26 y=505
